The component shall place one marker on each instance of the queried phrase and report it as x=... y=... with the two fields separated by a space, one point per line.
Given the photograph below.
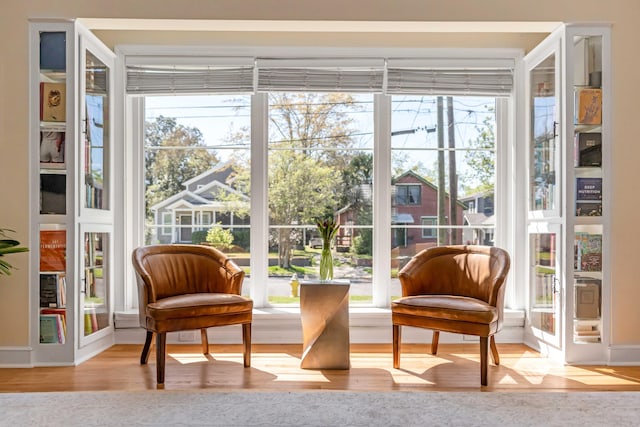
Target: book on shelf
x=587 y=252
x=588 y=196
x=588 y=189
x=61 y=313
x=53 y=104
x=52 y=290
x=90 y=321
x=588 y=149
x=590 y=333
x=53 y=194
x=588 y=208
x=588 y=106
x=587 y=298
x=52 y=149
x=544 y=290
x=52 y=329
x=53 y=52
x=53 y=250
x=586 y=332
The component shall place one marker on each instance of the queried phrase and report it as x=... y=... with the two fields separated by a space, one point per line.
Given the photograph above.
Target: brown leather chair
x=457 y=289
x=186 y=287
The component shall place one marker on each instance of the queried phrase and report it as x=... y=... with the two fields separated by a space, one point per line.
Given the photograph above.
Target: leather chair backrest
x=463 y=270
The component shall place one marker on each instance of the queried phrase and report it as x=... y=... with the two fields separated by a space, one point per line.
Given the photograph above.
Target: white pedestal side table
x=324 y=311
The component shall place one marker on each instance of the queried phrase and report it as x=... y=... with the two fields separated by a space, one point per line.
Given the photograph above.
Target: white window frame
x=132 y=111
x=167 y=223
x=432 y=231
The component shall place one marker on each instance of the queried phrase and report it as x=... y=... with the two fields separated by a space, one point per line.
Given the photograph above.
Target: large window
x=225 y=169
x=197 y=172
x=442 y=151
x=320 y=156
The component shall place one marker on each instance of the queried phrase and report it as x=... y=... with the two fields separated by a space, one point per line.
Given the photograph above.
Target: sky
x=215 y=117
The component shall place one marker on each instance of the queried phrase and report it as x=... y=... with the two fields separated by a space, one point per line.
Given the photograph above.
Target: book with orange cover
x=588 y=106
x=53 y=248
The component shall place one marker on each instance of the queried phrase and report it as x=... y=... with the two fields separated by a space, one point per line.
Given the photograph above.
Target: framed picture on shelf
x=52 y=148
x=53 y=105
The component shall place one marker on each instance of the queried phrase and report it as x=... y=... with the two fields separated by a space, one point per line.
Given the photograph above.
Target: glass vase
x=326 y=263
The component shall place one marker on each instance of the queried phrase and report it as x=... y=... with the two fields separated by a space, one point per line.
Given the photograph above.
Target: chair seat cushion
x=200 y=304
x=446 y=307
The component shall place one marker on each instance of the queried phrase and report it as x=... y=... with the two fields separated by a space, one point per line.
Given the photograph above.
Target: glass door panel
x=544 y=204
x=95 y=283
x=96 y=133
x=544 y=150
x=544 y=301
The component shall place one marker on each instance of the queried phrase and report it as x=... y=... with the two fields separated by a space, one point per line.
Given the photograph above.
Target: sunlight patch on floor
x=313 y=376
x=402 y=378
x=187 y=358
x=589 y=377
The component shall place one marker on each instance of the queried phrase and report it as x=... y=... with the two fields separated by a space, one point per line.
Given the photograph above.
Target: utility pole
x=442 y=209
x=453 y=176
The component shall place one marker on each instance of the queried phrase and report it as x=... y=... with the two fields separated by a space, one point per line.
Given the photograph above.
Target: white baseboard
x=15 y=357
x=624 y=355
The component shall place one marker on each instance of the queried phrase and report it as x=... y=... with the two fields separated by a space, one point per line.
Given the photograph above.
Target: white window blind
x=320 y=75
x=485 y=77
x=163 y=80
x=488 y=78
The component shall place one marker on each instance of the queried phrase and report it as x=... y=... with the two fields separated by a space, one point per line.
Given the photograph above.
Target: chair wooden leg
x=144 y=357
x=205 y=341
x=494 y=350
x=397 y=335
x=246 y=340
x=434 y=342
x=484 y=350
x=161 y=347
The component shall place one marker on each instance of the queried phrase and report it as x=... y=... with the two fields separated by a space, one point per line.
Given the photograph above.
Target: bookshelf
x=569 y=140
x=71 y=156
x=589 y=137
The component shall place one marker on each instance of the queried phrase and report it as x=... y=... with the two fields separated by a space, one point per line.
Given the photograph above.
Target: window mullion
x=259 y=203
x=381 y=200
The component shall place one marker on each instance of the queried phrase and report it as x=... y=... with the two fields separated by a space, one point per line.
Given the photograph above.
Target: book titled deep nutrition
x=588 y=196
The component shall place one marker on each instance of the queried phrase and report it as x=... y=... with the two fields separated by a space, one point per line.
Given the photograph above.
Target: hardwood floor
x=277 y=367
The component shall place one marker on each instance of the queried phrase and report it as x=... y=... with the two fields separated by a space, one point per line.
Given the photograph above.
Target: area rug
x=319 y=408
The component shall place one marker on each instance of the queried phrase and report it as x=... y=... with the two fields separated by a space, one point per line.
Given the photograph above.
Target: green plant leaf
x=5 y=268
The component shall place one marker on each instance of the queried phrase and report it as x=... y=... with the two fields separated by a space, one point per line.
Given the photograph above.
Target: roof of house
x=479 y=219
x=202 y=190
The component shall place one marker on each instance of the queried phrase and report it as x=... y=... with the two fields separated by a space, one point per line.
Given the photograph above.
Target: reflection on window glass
x=95 y=283
x=97 y=133
x=543 y=291
x=543 y=138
